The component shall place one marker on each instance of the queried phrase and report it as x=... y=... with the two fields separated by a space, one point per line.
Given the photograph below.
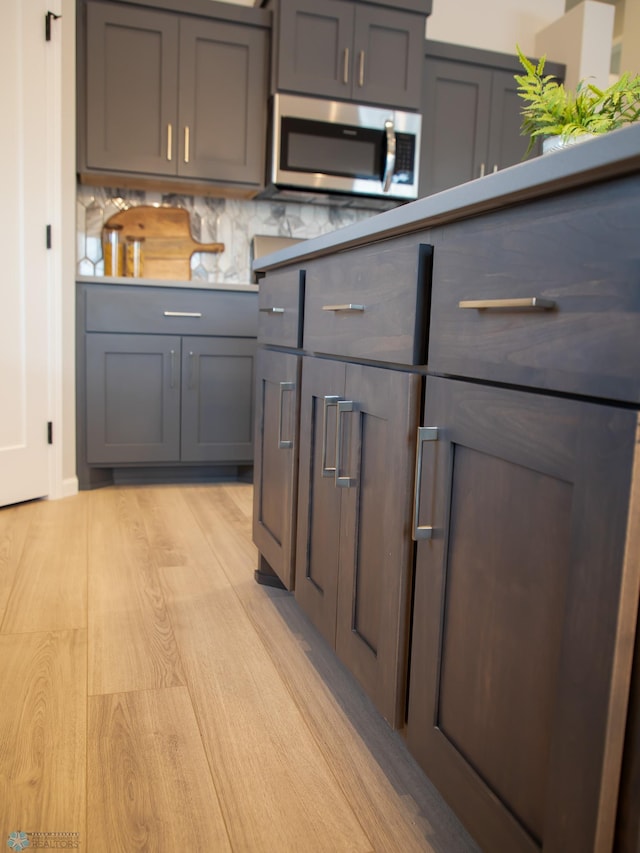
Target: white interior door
x=24 y=274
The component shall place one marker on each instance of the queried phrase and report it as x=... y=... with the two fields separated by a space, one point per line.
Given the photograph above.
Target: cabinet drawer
x=579 y=252
x=370 y=302
x=163 y=310
x=280 y=308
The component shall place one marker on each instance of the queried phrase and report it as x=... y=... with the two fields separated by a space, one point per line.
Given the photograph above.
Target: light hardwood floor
x=155 y=698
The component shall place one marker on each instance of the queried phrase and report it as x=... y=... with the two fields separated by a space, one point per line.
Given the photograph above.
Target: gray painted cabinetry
x=147 y=397
x=349 y=50
x=171 y=95
x=471 y=115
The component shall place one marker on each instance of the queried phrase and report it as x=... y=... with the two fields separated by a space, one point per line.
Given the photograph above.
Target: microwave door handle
x=390 y=159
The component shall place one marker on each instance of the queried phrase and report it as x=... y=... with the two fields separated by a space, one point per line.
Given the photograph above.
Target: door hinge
x=48 y=236
x=49 y=432
x=47 y=24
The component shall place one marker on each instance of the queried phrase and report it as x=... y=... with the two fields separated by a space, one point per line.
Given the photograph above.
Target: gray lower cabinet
x=351 y=51
x=471 y=115
x=171 y=95
x=165 y=378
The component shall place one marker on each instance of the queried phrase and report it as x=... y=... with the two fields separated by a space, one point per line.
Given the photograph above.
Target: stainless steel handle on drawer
x=421 y=532
x=169 y=141
x=345 y=66
x=182 y=313
x=348 y=307
x=529 y=302
x=329 y=402
x=343 y=406
x=282 y=443
x=172 y=368
x=271 y=310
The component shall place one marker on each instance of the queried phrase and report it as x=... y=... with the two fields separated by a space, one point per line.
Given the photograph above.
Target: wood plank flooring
x=155 y=698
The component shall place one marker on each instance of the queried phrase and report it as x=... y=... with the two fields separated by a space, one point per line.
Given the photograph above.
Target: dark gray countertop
x=607 y=156
x=156 y=282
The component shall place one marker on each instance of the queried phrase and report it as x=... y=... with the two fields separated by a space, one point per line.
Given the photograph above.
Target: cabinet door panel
x=217 y=399
x=507 y=146
x=275 y=466
x=133 y=398
x=132 y=96
x=455 y=106
x=524 y=600
x=317 y=541
x=388 y=56
x=223 y=95
x=315 y=48
x=375 y=549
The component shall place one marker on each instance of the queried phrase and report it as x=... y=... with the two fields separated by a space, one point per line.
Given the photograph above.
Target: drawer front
x=370 y=302
x=164 y=310
x=580 y=254
x=280 y=308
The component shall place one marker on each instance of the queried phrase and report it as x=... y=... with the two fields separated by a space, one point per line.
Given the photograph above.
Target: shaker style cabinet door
x=526 y=596
x=275 y=464
x=222 y=101
x=354 y=558
x=131 y=89
x=316 y=48
x=217 y=399
x=133 y=398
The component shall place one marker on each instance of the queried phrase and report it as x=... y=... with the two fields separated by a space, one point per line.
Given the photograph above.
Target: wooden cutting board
x=168 y=244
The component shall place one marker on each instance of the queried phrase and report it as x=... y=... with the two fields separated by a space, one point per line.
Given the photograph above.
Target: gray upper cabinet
x=352 y=51
x=172 y=95
x=471 y=115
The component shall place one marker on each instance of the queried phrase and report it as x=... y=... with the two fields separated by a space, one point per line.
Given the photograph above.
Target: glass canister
x=113 y=250
x=135 y=257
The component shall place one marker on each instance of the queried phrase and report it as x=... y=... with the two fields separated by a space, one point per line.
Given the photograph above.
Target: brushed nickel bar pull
x=347 y=307
x=329 y=401
x=532 y=302
x=342 y=482
x=482 y=170
x=186 y=143
x=169 y=142
x=172 y=368
x=272 y=310
x=424 y=531
x=182 y=313
x=282 y=443
x=361 y=69
x=345 y=66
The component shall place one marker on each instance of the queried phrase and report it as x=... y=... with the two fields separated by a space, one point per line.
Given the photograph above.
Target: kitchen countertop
x=156 y=282
x=607 y=156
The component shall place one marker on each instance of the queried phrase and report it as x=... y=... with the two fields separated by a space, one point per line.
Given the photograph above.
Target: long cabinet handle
x=182 y=313
x=282 y=443
x=421 y=532
x=529 y=302
x=169 y=142
x=346 y=307
x=330 y=401
x=345 y=66
x=186 y=143
x=361 y=69
x=172 y=368
x=271 y=310
x=343 y=406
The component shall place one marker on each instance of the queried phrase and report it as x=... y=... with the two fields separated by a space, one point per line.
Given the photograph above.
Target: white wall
x=492 y=24
x=582 y=38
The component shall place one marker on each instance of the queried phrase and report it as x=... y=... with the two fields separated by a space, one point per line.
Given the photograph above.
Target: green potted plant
x=551 y=111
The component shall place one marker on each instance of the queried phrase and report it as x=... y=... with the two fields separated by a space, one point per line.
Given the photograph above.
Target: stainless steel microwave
x=320 y=148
